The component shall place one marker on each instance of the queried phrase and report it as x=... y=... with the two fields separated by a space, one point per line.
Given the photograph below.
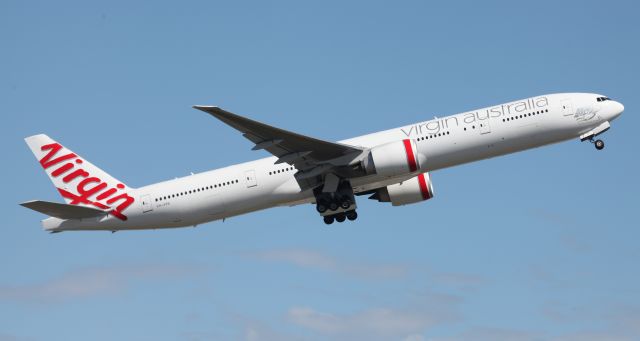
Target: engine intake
x=393 y=159
x=413 y=190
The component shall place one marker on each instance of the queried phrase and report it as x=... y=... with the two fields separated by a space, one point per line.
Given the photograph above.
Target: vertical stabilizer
x=78 y=180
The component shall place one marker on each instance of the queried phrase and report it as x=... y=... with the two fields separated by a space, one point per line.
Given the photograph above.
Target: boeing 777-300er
x=389 y=166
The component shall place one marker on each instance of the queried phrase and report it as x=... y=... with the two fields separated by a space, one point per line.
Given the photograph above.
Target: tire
x=333 y=206
x=321 y=207
x=599 y=144
x=352 y=215
x=340 y=217
x=346 y=203
x=328 y=220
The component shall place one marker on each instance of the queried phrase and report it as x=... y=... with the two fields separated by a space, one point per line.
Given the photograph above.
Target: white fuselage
x=442 y=142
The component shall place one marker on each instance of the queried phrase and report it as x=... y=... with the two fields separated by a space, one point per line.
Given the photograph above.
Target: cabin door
x=250 y=178
x=147 y=206
x=485 y=127
x=567 y=107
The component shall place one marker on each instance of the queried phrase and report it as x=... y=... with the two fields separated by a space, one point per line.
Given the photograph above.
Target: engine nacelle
x=416 y=189
x=393 y=159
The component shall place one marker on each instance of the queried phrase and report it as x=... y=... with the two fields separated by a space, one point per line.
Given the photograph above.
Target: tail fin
x=78 y=180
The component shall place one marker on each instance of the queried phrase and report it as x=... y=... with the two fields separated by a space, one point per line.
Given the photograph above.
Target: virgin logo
x=88 y=187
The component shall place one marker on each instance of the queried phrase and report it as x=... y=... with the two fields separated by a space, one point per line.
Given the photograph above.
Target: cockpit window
x=602 y=99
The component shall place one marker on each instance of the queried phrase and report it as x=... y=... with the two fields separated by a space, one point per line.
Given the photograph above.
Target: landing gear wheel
x=333 y=206
x=352 y=215
x=328 y=220
x=321 y=207
x=346 y=203
x=340 y=217
x=599 y=144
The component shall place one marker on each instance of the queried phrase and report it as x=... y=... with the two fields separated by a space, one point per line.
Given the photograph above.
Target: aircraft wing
x=311 y=156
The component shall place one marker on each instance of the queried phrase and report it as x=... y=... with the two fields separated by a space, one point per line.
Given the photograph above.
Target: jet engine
x=413 y=190
x=393 y=159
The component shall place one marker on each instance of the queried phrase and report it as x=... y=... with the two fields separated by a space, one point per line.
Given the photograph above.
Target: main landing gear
x=332 y=204
x=336 y=206
x=341 y=217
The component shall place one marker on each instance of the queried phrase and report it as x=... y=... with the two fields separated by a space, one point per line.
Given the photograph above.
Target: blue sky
x=540 y=245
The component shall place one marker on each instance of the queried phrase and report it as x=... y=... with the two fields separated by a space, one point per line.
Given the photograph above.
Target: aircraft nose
x=618 y=108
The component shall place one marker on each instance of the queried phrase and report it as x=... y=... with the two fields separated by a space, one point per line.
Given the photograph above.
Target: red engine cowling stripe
x=423 y=187
x=411 y=159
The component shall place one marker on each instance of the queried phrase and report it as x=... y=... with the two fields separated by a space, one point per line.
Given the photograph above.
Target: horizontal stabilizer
x=63 y=211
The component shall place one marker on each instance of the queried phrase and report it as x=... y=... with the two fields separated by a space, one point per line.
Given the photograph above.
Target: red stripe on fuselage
x=423 y=187
x=411 y=159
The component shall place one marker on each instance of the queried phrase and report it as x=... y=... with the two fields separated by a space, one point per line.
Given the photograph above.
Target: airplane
x=390 y=166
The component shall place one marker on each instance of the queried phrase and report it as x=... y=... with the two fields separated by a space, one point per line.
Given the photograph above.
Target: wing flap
x=62 y=211
x=266 y=144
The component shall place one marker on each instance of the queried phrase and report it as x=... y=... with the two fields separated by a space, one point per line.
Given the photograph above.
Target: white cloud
x=499 y=334
x=259 y=332
x=505 y=334
x=415 y=337
x=89 y=282
x=372 y=324
x=316 y=260
x=594 y=336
